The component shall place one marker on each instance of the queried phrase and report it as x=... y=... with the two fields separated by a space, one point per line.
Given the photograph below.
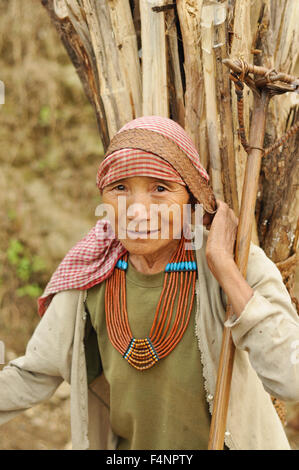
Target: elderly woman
x=133 y=316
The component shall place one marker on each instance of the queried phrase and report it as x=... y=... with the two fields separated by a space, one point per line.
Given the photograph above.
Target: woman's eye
x=160 y=189
x=120 y=187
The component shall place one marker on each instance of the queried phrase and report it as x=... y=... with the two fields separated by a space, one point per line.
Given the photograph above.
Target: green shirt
x=163 y=407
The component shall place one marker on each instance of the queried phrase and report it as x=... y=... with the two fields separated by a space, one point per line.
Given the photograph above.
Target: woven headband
x=126 y=163
x=154 y=142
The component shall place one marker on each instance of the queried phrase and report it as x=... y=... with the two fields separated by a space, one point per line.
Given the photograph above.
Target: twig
x=164 y=7
x=270 y=74
x=240 y=74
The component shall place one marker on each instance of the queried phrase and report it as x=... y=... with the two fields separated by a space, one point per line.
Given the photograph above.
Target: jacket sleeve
x=268 y=329
x=34 y=377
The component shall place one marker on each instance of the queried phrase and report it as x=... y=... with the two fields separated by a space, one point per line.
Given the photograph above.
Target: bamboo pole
x=249 y=193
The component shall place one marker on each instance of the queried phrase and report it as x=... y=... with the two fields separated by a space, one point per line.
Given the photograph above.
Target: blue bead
x=189 y=266
x=175 y=266
x=194 y=265
x=171 y=267
x=167 y=268
x=186 y=265
x=179 y=266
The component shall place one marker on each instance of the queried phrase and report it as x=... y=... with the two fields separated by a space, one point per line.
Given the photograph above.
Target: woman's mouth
x=142 y=232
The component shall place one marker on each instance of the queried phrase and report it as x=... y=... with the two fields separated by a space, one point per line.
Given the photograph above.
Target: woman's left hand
x=221 y=239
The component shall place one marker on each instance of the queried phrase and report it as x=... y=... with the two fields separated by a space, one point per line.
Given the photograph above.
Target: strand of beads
x=170 y=267
x=168 y=326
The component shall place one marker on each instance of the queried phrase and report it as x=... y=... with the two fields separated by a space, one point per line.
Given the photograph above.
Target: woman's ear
x=207 y=220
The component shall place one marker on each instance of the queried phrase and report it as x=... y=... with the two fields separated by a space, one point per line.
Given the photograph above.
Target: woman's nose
x=138 y=207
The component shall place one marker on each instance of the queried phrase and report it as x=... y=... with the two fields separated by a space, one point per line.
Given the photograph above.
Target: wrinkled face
x=148 y=212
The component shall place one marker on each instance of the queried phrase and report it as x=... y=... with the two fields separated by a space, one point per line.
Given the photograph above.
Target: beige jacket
x=265 y=336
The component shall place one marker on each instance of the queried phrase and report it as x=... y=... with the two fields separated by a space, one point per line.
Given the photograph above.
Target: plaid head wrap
x=147 y=146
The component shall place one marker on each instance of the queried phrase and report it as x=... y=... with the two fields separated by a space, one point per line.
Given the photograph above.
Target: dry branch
x=154 y=64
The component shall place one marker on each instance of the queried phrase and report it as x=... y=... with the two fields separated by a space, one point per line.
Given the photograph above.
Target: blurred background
x=50 y=152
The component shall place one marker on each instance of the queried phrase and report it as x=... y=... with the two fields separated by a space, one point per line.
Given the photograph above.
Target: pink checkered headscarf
x=125 y=163
x=93 y=258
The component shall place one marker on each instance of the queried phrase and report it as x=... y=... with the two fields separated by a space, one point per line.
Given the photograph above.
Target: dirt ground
x=44 y=427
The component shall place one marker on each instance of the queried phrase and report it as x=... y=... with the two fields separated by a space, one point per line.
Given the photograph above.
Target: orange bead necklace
x=143 y=353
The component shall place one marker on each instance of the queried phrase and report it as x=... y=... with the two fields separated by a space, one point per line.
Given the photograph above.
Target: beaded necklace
x=143 y=353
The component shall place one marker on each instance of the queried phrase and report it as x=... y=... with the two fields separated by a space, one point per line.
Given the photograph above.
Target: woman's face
x=141 y=223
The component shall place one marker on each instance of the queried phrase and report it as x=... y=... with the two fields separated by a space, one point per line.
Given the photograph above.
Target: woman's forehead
x=143 y=180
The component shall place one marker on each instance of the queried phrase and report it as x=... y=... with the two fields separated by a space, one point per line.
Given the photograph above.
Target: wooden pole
x=154 y=63
x=249 y=194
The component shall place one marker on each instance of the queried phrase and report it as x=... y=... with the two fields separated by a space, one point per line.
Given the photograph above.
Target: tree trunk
x=160 y=57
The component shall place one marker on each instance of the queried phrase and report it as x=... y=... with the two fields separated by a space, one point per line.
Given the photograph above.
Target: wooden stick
x=209 y=68
x=250 y=187
x=226 y=136
x=272 y=75
x=79 y=50
x=175 y=84
x=154 y=63
x=189 y=13
x=114 y=88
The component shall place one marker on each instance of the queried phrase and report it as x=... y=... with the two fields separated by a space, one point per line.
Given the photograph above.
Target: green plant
x=25 y=266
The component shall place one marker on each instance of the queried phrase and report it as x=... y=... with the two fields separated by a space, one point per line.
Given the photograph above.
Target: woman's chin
x=144 y=246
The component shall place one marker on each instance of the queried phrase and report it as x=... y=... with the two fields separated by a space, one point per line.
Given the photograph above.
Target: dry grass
x=50 y=151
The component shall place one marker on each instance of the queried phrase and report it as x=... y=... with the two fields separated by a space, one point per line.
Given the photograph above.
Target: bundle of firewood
x=145 y=57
